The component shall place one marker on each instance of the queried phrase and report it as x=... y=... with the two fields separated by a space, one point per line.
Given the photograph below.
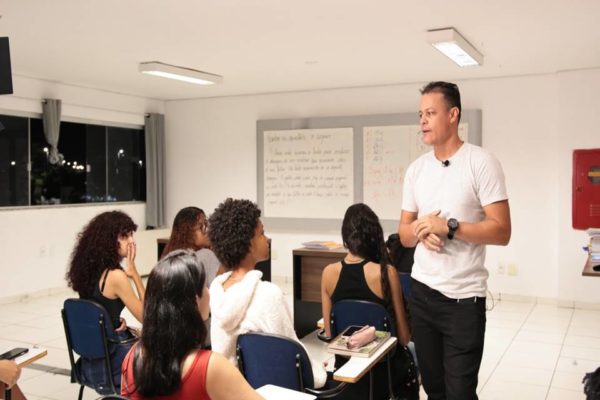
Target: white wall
x=36 y=243
x=579 y=128
x=527 y=124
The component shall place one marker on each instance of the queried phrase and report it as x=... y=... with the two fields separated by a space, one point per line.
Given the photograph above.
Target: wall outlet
x=501 y=269
x=512 y=269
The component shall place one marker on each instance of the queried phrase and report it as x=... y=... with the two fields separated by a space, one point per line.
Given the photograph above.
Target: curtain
x=155 y=170
x=51 y=109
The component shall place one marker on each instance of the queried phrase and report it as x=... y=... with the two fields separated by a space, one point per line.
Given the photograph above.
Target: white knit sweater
x=251 y=305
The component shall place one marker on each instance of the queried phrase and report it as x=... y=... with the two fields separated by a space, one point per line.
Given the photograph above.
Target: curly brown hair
x=182 y=234
x=97 y=249
x=231 y=229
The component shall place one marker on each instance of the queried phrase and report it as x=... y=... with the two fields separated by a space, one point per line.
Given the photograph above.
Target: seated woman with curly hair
x=95 y=273
x=170 y=363
x=239 y=300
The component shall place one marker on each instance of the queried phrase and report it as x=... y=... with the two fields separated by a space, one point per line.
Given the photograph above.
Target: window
x=14 y=156
x=101 y=164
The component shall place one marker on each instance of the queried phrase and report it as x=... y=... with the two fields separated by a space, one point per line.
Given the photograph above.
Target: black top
x=352 y=284
x=113 y=306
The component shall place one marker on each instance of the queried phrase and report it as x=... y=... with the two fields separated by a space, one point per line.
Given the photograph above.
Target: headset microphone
x=445 y=163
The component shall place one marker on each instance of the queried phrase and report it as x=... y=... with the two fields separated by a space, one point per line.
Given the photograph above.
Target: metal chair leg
x=81 y=392
x=371 y=384
x=391 y=394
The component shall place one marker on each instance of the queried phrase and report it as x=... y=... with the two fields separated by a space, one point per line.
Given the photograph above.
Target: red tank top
x=193 y=383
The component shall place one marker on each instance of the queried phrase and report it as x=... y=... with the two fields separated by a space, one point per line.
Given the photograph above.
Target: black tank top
x=352 y=284
x=113 y=306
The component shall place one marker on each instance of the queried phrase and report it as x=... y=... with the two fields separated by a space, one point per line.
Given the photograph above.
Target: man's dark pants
x=448 y=336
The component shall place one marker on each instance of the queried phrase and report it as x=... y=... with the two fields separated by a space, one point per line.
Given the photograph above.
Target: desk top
x=34 y=354
x=272 y=392
x=356 y=367
x=587 y=269
x=304 y=251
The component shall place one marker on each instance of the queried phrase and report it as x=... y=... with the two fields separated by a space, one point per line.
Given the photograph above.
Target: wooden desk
x=587 y=269
x=308 y=266
x=272 y=392
x=356 y=367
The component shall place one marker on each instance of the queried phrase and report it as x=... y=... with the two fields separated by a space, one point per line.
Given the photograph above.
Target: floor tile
x=568 y=380
x=537 y=361
x=582 y=353
x=498 y=389
x=562 y=394
x=589 y=342
x=525 y=335
x=568 y=364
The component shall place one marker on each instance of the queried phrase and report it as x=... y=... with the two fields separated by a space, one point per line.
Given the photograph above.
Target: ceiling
x=266 y=46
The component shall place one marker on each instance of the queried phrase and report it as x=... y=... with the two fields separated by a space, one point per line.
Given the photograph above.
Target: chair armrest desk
x=356 y=367
x=34 y=354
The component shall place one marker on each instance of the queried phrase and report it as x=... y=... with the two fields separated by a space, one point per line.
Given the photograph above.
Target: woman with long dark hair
x=365 y=274
x=169 y=361
x=189 y=231
x=95 y=273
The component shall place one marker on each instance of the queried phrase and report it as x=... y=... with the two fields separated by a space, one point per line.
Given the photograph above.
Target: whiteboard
x=286 y=197
x=387 y=153
x=308 y=173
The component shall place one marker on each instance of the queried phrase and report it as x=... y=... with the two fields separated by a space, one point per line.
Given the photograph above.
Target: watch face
x=452 y=223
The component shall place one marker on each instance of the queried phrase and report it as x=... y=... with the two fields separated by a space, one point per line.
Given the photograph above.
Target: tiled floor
x=532 y=351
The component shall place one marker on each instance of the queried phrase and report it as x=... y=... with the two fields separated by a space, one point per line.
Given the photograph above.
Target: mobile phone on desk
x=14 y=353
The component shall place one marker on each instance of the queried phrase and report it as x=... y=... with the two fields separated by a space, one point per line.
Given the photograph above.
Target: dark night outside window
x=101 y=164
x=13 y=161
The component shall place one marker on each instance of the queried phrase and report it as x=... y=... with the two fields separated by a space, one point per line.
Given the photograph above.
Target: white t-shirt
x=472 y=180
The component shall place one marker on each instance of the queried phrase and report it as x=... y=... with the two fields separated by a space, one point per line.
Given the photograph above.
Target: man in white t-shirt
x=454 y=203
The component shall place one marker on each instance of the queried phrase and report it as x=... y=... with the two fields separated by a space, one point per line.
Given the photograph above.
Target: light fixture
x=455 y=47
x=179 y=73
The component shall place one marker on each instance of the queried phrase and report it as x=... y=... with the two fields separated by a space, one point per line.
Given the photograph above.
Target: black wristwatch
x=452 y=227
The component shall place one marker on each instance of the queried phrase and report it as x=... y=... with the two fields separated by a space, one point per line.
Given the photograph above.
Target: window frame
x=77 y=120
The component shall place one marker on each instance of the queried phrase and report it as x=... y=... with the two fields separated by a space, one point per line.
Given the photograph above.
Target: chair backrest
x=87 y=327
x=345 y=313
x=272 y=359
x=406 y=284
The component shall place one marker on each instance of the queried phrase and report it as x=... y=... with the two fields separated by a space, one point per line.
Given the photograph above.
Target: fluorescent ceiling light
x=455 y=47
x=180 y=73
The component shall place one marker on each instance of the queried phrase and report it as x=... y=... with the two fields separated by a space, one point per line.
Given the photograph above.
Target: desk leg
x=371 y=384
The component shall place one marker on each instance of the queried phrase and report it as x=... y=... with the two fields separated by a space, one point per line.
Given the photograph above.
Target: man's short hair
x=448 y=90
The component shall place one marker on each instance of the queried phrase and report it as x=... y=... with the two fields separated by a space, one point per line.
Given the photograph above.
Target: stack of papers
x=321 y=245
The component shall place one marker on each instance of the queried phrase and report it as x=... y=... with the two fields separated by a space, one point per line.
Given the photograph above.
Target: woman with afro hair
x=95 y=273
x=240 y=301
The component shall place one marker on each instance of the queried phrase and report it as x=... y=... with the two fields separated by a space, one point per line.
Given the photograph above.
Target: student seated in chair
x=9 y=375
x=190 y=232
x=365 y=274
x=95 y=273
x=168 y=362
x=239 y=300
